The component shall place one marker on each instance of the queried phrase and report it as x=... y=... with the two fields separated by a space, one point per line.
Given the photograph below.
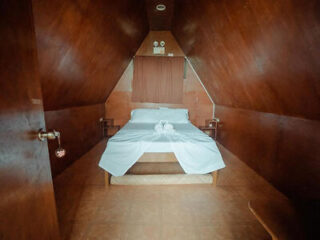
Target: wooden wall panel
x=256 y=54
x=80 y=131
x=284 y=150
x=158 y=79
x=146 y=48
x=27 y=206
x=119 y=104
x=84 y=47
x=260 y=62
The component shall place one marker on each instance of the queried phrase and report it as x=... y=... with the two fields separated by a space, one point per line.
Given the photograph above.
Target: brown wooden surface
x=119 y=104
x=258 y=55
x=146 y=212
x=158 y=79
x=80 y=130
x=106 y=179
x=171 y=46
x=84 y=47
x=159 y=20
x=147 y=168
x=27 y=206
x=262 y=56
x=214 y=178
x=279 y=218
x=284 y=150
x=148 y=157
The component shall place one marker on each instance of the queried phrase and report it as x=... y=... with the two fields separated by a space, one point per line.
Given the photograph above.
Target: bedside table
x=108 y=129
x=211 y=128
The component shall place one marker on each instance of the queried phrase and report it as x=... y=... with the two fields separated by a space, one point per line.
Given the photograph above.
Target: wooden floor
x=87 y=210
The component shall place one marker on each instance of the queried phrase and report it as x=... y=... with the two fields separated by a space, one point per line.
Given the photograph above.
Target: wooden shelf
x=108 y=127
x=211 y=127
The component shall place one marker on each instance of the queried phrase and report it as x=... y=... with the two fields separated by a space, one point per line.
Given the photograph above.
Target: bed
x=140 y=141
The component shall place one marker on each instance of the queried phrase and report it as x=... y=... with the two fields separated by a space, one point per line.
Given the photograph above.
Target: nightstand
x=211 y=127
x=108 y=127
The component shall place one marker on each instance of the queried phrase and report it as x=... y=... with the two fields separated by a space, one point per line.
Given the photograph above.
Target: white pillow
x=145 y=115
x=174 y=115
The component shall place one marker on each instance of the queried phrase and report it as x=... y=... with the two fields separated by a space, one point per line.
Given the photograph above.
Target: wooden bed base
x=157 y=158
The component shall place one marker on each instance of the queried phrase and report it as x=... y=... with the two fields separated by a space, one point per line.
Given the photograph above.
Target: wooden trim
x=279 y=218
x=266 y=227
x=106 y=179
x=214 y=178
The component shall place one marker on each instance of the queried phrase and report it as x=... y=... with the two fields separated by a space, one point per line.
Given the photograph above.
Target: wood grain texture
x=84 y=47
x=146 y=48
x=159 y=20
x=158 y=79
x=284 y=150
x=279 y=218
x=155 y=168
x=27 y=205
x=80 y=131
x=256 y=54
x=119 y=104
x=259 y=60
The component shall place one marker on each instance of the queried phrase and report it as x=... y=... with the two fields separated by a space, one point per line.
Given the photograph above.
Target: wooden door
x=27 y=205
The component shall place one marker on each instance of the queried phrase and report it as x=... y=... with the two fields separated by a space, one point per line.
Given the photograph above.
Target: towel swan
x=164 y=127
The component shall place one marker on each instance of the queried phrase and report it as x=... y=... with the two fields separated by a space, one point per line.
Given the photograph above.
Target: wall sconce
x=159 y=49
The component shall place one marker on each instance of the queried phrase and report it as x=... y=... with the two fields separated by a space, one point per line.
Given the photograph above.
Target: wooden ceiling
x=258 y=55
x=84 y=47
x=260 y=62
x=160 y=20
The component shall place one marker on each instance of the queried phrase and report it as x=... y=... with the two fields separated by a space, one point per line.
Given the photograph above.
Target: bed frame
x=167 y=157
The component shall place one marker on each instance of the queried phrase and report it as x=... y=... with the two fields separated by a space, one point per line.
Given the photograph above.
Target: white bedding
x=196 y=152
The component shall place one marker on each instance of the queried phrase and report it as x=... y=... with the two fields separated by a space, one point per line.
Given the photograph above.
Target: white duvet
x=196 y=152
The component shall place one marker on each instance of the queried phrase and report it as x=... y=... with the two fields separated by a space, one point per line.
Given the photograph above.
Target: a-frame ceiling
x=84 y=47
x=257 y=55
x=160 y=20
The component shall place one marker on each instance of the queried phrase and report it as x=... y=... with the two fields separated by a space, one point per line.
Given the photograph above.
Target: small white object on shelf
x=158 y=50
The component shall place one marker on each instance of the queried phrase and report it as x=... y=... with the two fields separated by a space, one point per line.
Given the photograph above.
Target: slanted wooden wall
x=119 y=104
x=83 y=49
x=260 y=62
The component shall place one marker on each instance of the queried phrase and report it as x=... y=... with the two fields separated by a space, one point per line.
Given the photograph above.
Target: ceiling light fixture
x=161 y=7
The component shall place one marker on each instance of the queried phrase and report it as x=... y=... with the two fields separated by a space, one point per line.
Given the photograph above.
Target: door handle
x=51 y=135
